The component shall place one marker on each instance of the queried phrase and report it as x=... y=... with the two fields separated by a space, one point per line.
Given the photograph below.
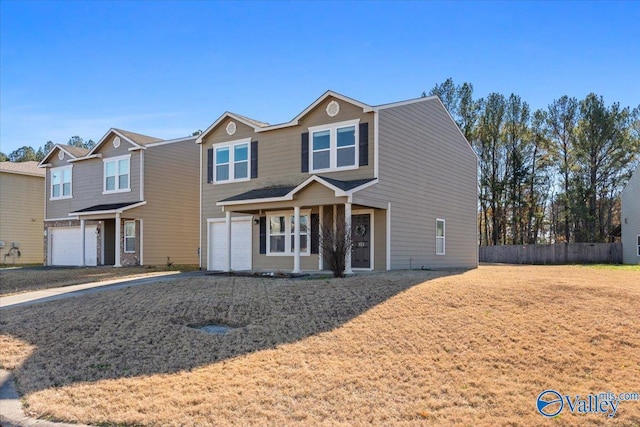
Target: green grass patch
x=629 y=267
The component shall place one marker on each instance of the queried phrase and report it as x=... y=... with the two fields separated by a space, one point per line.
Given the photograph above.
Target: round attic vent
x=116 y=142
x=61 y=154
x=333 y=109
x=231 y=128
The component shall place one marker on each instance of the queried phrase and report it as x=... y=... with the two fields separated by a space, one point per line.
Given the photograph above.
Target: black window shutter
x=209 y=165
x=364 y=144
x=263 y=234
x=254 y=159
x=315 y=233
x=305 y=152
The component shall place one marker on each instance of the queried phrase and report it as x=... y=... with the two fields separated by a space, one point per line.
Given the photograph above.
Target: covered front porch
x=286 y=228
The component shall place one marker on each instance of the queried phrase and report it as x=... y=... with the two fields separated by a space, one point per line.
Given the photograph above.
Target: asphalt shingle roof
x=22 y=168
x=107 y=207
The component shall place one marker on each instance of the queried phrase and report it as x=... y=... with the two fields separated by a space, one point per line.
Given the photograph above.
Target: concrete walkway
x=53 y=294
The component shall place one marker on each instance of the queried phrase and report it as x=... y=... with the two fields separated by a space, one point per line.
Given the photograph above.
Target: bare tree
x=336 y=243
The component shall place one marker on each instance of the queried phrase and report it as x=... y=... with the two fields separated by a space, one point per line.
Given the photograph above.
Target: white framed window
x=334 y=147
x=61 y=182
x=129 y=237
x=232 y=161
x=281 y=233
x=117 y=174
x=638 y=242
x=440 y=236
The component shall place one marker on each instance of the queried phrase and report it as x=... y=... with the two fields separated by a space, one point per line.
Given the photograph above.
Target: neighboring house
x=21 y=212
x=401 y=176
x=131 y=200
x=630 y=220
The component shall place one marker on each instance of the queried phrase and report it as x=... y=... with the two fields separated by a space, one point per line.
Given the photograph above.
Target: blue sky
x=167 y=69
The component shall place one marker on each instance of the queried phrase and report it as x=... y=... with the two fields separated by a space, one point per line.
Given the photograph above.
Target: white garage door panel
x=66 y=246
x=240 y=245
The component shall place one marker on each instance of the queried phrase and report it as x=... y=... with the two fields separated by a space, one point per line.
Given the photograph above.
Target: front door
x=361 y=238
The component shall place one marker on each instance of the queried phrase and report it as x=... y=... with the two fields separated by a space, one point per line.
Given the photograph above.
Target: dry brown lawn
x=26 y=279
x=399 y=348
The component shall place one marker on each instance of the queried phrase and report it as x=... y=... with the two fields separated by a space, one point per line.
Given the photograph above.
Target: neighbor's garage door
x=65 y=245
x=240 y=245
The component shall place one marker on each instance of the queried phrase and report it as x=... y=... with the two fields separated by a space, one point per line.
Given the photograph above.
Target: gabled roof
x=108 y=208
x=263 y=127
x=22 y=168
x=275 y=194
x=136 y=139
x=75 y=152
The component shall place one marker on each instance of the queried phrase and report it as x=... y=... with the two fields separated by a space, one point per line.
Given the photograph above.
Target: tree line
x=27 y=153
x=550 y=175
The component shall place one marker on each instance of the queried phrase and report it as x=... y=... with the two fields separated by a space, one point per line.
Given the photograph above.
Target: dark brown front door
x=361 y=237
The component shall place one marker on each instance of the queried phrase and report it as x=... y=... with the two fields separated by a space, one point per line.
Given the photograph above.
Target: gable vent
x=231 y=128
x=116 y=142
x=333 y=109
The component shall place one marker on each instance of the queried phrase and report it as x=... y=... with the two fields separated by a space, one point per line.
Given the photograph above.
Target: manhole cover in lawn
x=214 y=329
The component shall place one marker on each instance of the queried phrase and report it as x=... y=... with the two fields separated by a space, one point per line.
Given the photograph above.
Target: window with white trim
x=116 y=174
x=129 y=237
x=232 y=161
x=281 y=233
x=440 y=236
x=61 y=179
x=334 y=147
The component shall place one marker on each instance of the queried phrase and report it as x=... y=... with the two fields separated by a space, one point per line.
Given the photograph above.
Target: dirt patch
x=400 y=348
x=26 y=279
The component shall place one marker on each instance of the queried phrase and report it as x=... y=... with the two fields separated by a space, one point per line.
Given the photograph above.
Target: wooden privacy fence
x=561 y=253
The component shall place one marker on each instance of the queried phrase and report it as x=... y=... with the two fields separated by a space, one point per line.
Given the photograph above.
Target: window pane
x=439 y=245
x=110 y=168
x=240 y=170
x=241 y=153
x=222 y=155
x=276 y=243
x=56 y=190
x=303 y=244
x=111 y=183
x=440 y=228
x=66 y=189
x=129 y=228
x=130 y=244
x=222 y=173
x=123 y=166
x=346 y=156
x=276 y=225
x=347 y=136
x=321 y=160
x=123 y=181
x=66 y=175
x=55 y=177
x=321 y=140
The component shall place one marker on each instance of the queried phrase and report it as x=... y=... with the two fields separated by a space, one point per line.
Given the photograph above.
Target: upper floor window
x=232 y=161
x=281 y=234
x=116 y=174
x=334 y=147
x=61 y=179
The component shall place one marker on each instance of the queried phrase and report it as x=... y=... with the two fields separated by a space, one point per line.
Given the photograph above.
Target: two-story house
x=400 y=176
x=131 y=200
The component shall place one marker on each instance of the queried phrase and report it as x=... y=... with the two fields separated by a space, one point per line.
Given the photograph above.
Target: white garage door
x=65 y=245
x=240 y=245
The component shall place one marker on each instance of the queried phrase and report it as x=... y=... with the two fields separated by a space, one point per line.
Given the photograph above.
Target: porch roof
x=271 y=194
x=108 y=208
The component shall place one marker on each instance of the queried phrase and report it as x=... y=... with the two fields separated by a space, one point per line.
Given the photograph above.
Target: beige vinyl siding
x=88 y=181
x=170 y=217
x=279 y=159
x=630 y=218
x=21 y=216
x=426 y=170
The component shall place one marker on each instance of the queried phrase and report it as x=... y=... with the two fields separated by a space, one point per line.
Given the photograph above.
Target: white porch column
x=228 y=229
x=347 y=225
x=83 y=241
x=320 y=255
x=296 y=239
x=118 y=239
